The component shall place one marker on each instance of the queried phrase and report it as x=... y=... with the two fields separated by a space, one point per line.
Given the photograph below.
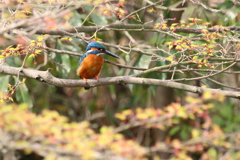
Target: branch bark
x=47 y=77
x=128 y=27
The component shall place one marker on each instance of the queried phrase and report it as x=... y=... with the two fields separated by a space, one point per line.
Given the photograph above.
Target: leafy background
x=41 y=121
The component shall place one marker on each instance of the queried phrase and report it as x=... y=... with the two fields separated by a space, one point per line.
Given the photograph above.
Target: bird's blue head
x=95 y=44
x=96 y=48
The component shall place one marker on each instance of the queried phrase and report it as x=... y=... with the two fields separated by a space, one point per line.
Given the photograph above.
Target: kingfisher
x=90 y=64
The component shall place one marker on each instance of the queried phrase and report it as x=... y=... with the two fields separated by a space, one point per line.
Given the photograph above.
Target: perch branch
x=47 y=77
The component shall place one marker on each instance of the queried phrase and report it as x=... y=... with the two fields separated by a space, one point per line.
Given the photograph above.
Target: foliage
x=53 y=136
x=191 y=42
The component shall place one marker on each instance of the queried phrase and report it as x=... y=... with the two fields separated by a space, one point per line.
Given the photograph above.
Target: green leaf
x=218 y=120
x=188 y=11
x=226 y=5
x=145 y=61
x=67 y=65
x=99 y=19
x=174 y=130
x=4 y=83
x=184 y=134
x=64 y=67
x=226 y=112
x=22 y=95
x=212 y=153
x=195 y=57
x=76 y=20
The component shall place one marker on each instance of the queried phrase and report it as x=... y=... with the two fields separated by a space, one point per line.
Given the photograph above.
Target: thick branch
x=47 y=77
x=127 y=27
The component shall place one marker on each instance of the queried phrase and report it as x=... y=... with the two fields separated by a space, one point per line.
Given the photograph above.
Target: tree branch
x=47 y=77
x=128 y=27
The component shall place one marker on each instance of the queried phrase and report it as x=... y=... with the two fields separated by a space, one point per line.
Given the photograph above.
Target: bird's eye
x=100 y=49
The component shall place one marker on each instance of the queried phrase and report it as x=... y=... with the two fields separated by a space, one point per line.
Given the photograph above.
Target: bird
x=90 y=64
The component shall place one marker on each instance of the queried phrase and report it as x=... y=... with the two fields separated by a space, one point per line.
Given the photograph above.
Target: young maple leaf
x=150 y=10
x=106 y=12
x=121 y=3
x=96 y=39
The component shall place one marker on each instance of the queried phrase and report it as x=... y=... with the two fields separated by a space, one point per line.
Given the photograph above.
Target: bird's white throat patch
x=89 y=51
x=100 y=54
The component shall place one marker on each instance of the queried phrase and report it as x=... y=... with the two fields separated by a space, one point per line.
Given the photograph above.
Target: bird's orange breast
x=90 y=66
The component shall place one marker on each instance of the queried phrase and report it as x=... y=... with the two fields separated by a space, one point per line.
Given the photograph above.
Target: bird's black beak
x=111 y=54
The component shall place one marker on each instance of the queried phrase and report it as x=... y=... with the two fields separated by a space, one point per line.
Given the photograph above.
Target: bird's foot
x=96 y=77
x=85 y=80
